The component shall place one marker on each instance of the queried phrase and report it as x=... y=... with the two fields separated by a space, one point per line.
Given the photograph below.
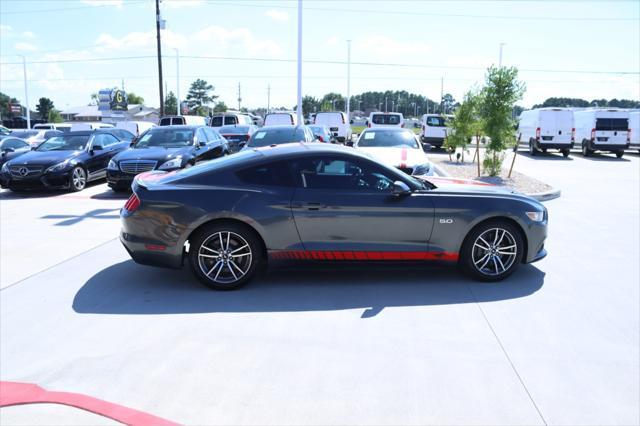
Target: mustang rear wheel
x=492 y=251
x=225 y=256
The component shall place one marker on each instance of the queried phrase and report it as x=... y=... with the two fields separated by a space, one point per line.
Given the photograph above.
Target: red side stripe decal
x=362 y=255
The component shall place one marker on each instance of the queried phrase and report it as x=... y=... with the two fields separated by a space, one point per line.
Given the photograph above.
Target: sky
x=72 y=48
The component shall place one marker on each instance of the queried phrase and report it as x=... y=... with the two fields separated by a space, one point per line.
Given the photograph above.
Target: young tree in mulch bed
x=501 y=91
x=464 y=125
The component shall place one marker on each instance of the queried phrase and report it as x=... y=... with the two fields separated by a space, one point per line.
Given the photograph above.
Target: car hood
x=45 y=158
x=397 y=156
x=158 y=154
x=467 y=186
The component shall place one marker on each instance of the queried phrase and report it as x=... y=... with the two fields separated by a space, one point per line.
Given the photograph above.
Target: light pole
x=348 y=79
x=159 y=58
x=26 y=90
x=177 y=81
x=500 y=58
x=299 y=106
x=385 y=104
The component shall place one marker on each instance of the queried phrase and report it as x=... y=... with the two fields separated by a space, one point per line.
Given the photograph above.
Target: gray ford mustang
x=323 y=202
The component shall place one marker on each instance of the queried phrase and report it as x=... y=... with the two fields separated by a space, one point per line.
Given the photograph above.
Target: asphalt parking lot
x=557 y=343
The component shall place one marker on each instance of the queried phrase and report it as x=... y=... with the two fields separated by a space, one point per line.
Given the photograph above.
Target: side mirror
x=97 y=148
x=400 y=188
x=202 y=143
x=241 y=145
x=350 y=121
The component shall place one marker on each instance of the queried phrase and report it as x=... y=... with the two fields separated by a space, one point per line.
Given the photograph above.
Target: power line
x=328 y=62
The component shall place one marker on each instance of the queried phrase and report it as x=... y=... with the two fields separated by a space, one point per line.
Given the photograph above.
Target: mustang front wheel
x=492 y=251
x=224 y=257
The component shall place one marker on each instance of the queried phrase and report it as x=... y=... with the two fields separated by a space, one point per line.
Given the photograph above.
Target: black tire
x=619 y=154
x=532 y=149
x=565 y=153
x=231 y=237
x=78 y=179
x=586 y=152
x=544 y=150
x=499 y=264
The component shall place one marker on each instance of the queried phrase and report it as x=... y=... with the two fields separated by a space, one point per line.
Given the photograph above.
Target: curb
x=547 y=195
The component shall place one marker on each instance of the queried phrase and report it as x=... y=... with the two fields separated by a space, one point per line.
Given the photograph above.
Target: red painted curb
x=15 y=393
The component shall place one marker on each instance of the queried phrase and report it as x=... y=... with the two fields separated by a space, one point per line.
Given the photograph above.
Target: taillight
x=424 y=129
x=132 y=203
x=628 y=135
x=593 y=134
x=402 y=125
x=537 y=133
x=320 y=139
x=343 y=122
x=368 y=124
x=573 y=134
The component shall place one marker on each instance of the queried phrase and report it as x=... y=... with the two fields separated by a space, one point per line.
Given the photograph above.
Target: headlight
x=58 y=167
x=112 y=165
x=5 y=168
x=175 y=163
x=536 y=216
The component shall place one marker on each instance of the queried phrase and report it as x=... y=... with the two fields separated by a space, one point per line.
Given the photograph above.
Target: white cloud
x=139 y=40
x=278 y=15
x=28 y=35
x=331 y=41
x=115 y=3
x=24 y=46
x=238 y=38
x=5 y=30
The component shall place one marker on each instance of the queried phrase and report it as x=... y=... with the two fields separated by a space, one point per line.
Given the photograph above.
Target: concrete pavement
x=558 y=343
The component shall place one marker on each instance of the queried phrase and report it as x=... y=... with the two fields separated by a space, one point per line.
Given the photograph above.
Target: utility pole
x=239 y=97
x=122 y=84
x=299 y=106
x=442 y=95
x=159 y=58
x=268 y=98
x=177 y=81
x=26 y=90
x=500 y=58
x=385 y=104
x=348 y=80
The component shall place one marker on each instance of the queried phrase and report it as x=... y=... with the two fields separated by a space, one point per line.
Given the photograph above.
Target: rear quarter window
x=270 y=174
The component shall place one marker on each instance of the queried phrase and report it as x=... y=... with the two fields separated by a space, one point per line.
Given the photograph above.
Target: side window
x=271 y=174
x=165 y=122
x=342 y=174
x=108 y=140
x=201 y=135
x=98 y=140
x=212 y=136
x=230 y=120
x=14 y=144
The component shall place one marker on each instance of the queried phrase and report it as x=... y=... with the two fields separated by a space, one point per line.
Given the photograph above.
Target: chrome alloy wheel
x=78 y=178
x=494 y=251
x=224 y=257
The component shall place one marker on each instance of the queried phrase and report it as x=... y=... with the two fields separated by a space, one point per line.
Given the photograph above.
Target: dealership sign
x=15 y=108
x=112 y=100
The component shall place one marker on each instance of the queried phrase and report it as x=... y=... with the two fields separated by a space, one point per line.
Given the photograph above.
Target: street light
x=500 y=59
x=299 y=106
x=348 y=79
x=177 y=80
x=26 y=90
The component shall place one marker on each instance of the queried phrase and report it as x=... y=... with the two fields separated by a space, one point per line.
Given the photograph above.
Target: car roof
x=313 y=148
x=386 y=129
x=283 y=126
x=178 y=127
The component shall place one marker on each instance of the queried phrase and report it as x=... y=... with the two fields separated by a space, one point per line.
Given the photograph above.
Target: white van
x=135 y=127
x=337 y=123
x=278 y=118
x=385 y=119
x=63 y=127
x=181 y=120
x=634 y=128
x=547 y=128
x=435 y=128
x=230 y=119
x=90 y=126
x=602 y=130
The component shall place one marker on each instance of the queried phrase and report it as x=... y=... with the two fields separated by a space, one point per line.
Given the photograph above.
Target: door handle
x=308 y=206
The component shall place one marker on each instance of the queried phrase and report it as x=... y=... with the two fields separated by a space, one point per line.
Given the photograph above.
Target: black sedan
x=165 y=148
x=68 y=161
x=323 y=202
x=11 y=147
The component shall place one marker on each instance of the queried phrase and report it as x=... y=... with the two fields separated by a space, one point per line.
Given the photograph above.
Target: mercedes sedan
x=309 y=201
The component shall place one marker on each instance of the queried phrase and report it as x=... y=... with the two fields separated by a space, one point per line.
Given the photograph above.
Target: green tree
x=465 y=123
x=198 y=95
x=309 y=105
x=44 y=106
x=134 y=99
x=54 y=116
x=5 y=100
x=499 y=95
x=448 y=103
x=94 y=99
x=332 y=102
x=170 y=103
x=220 y=107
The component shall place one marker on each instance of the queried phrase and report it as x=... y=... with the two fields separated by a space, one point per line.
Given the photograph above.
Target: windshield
x=166 y=138
x=276 y=136
x=436 y=121
x=65 y=143
x=385 y=119
x=24 y=133
x=233 y=129
x=388 y=138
